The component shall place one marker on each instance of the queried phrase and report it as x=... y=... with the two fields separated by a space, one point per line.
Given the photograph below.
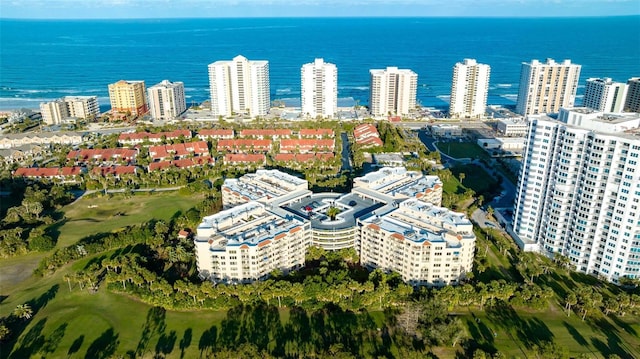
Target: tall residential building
x=319 y=89
x=239 y=86
x=632 y=103
x=58 y=111
x=128 y=97
x=166 y=100
x=578 y=192
x=54 y=112
x=469 y=89
x=545 y=88
x=604 y=95
x=393 y=91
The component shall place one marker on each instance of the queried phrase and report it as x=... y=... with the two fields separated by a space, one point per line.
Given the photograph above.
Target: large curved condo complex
x=392 y=217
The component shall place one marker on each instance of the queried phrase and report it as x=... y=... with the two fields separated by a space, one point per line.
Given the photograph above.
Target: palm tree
x=23 y=311
x=462 y=176
x=332 y=212
x=4 y=332
x=570 y=301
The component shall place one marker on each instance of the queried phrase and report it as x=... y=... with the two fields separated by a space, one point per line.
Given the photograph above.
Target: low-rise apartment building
x=391 y=217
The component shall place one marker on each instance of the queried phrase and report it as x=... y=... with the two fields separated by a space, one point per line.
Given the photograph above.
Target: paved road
x=346 y=159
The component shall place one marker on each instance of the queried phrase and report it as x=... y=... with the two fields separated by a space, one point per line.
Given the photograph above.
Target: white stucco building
x=239 y=86
x=604 y=95
x=546 y=87
x=77 y=107
x=272 y=218
x=167 y=100
x=513 y=127
x=392 y=91
x=319 y=89
x=579 y=190
x=425 y=244
x=469 y=88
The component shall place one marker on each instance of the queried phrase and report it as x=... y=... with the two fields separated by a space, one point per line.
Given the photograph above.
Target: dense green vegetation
x=121 y=283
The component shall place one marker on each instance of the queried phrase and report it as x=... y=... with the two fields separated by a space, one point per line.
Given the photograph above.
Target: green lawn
x=512 y=332
x=463 y=150
x=104 y=214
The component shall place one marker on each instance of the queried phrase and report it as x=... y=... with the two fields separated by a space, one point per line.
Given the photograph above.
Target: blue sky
x=87 y=9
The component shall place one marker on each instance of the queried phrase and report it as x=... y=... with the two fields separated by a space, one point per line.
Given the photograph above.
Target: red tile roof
x=48 y=172
x=242 y=157
x=264 y=133
x=303 y=157
x=106 y=154
x=244 y=145
x=215 y=133
x=316 y=132
x=307 y=145
x=114 y=170
x=183 y=163
x=141 y=136
x=199 y=148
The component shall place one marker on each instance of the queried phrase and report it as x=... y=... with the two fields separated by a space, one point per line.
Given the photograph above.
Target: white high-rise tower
x=319 y=89
x=167 y=100
x=393 y=91
x=239 y=86
x=578 y=192
x=469 y=88
x=545 y=88
x=604 y=95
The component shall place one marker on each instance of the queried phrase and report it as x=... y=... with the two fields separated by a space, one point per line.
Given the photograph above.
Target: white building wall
x=239 y=86
x=167 y=100
x=604 y=95
x=54 y=112
x=545 y=88
x=319 y=89
x=578 y=195
x=469 y=88
x=393 y=91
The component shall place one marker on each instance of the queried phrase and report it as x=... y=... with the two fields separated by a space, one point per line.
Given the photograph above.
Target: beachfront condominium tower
x=239 y=86
x=319 y=89
x=632 y=103
x=166 y=100
x=469 y=88
x=604 y=95
x=393 y=91
x=54 y=112
x=79 y=107
x=546 y=87
x=578 y=193
x=128 y=97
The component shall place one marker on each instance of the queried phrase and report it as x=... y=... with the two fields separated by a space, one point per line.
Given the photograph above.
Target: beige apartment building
x=167 y=100
x=128 y=97
x=425 y=244
x=393 y=91
x=469 y=89
x=546 y=87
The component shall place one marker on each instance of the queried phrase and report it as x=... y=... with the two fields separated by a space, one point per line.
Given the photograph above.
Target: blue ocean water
x=44 y=59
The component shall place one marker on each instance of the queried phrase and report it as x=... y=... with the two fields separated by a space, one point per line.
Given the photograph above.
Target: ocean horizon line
x=505 y=17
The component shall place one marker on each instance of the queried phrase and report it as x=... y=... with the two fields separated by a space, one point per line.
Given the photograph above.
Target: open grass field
x=104 y=214
x=81 y=324
x=463 y=150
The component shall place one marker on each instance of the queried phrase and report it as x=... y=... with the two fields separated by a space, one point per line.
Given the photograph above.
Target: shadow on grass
x=33 y=341
x=575 y=334
x=629 y=329
x=208 y=341
x=529 y=332
x=613 y=344
x=185 y=342
x=75 y=346
x=154 y=326
x=104 y=346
